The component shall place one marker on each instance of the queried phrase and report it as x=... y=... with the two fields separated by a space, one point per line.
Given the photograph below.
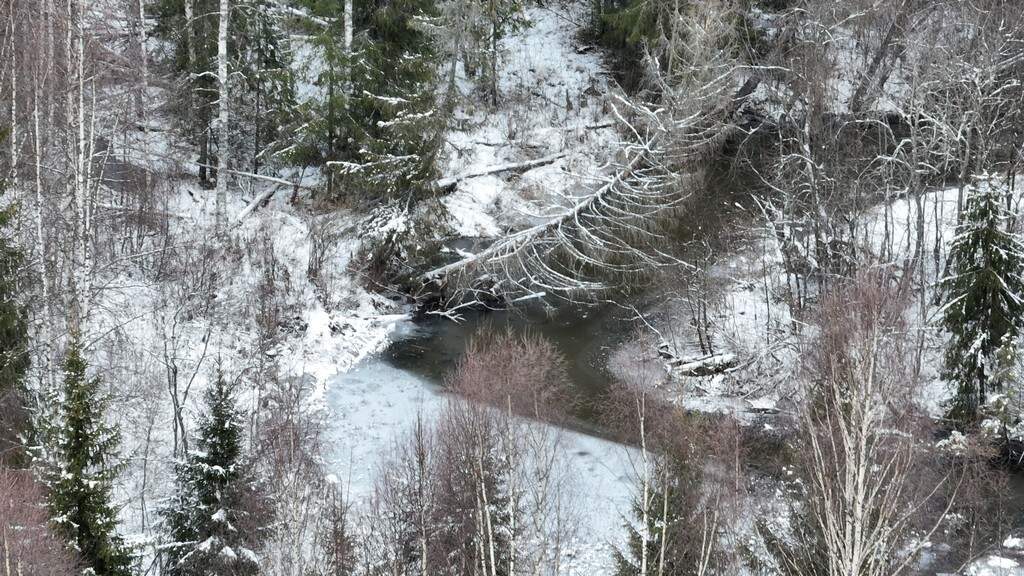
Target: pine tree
x=84 y=464
x=14 y=361
x=984 y=298
x=214 y=519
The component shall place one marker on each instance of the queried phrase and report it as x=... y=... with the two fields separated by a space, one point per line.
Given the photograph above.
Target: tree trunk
x=861 y=93
x=494 y=53
x=223 y=145
x=14 y=100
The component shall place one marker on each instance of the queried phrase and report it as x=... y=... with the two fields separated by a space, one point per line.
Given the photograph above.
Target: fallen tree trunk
x=256 y=203
x=607 y=217
x=450 y=182
x=511 y=244
x=706 y=366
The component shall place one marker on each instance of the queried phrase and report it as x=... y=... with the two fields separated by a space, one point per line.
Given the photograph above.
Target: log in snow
x=452 y=181
x=706 y=366
x=256 y=203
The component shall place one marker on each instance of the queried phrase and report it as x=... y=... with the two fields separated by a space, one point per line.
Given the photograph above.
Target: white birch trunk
x=222 y=113
x=82 y=178
x=14 y=100
x=189 y=36
x=645 y=496
x=349 y=26
x=143 y=63
x=43 y=358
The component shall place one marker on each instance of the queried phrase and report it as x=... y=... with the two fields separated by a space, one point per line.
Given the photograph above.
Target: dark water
x=584 y=335
x=708 y=224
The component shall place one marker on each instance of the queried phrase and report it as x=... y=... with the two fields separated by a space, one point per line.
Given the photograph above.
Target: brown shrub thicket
x=481 y=490
x=522 y=372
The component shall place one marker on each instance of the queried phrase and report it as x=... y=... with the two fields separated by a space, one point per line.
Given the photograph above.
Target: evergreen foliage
x=84 y=463
x=195 y=67
x=628 y=29
x=394 y=128
x=675 y=489
x=374 y=120
x=214 y=520
x=14 y=360
x=264 y=92
x=322 y=136
x=984 y=298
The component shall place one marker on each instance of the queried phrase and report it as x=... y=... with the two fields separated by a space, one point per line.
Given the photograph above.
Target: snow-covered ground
x=1007 y=561
x=553 y=101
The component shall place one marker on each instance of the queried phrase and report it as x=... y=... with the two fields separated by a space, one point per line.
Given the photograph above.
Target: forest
x=511 y=287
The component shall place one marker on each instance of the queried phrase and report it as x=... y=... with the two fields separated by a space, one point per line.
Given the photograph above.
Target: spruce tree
x=214 y=519
x=671 y=516
x=322 y=135
x=984 y=298
x=195 y=63
x=265 y=93
x=393 y=124
x=373 y=122
x=84 y=464
x=262 y=86
x=14 y=360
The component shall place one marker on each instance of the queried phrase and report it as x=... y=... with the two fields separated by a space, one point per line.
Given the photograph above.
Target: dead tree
x=611 y=233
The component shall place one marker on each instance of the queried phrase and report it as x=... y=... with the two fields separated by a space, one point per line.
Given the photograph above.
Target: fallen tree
x=611 y=232
x=704 y=366
x=450 y=182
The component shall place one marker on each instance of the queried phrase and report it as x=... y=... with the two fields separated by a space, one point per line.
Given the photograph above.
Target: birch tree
x=859 y=506
x=223 y=104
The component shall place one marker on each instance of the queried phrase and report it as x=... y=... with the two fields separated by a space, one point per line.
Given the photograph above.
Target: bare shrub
x=323 y=237
x=336 y=539
x=27 y=546
x=14 y=418
x=482 y=491
x=982 y=510
x=523 y=373
x=288 y=453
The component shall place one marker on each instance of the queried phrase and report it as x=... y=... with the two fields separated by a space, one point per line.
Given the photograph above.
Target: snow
x=995 y=566
x=550 y=94
x=375 y=405
x=749 y=324
x=553 y=100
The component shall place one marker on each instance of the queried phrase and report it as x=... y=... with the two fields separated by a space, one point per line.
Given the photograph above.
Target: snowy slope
x=553 y=98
